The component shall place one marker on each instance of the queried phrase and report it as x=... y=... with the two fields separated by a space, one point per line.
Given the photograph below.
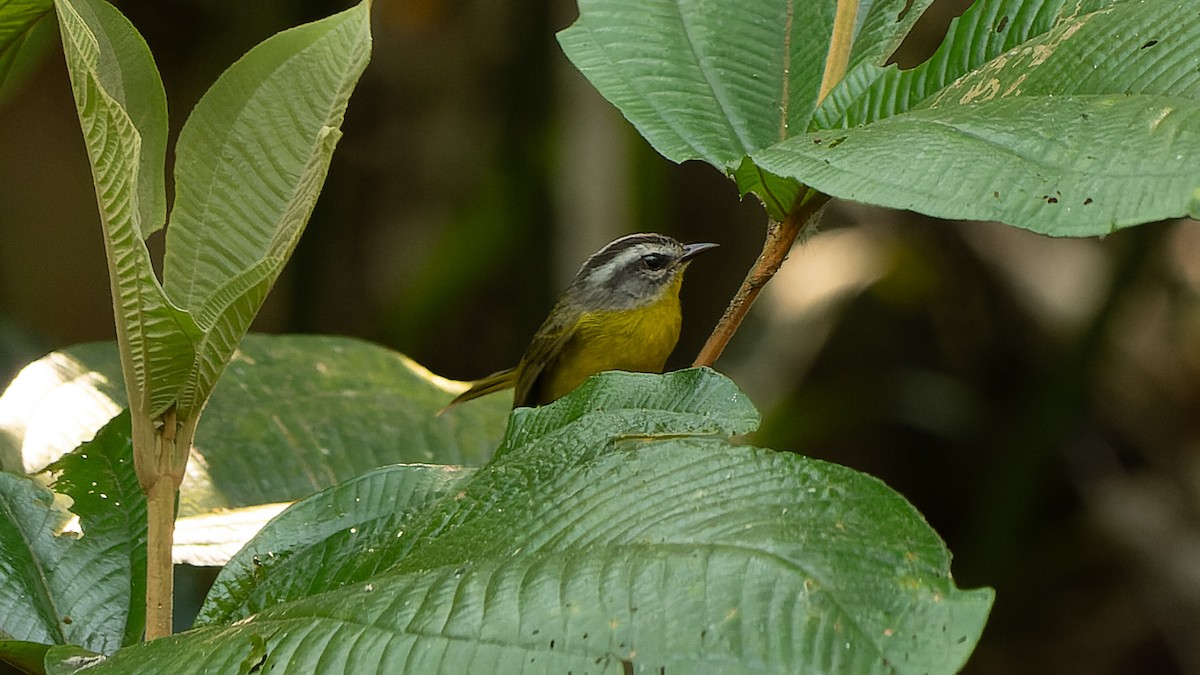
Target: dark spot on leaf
x=585 y=636
x=1002 y=25
x=536 y=631
x=68 y=620
x=256 y=560
x=817 y=141
x=552 y=644
x=1087 y=201
x=996 y=194
x=1150 y=44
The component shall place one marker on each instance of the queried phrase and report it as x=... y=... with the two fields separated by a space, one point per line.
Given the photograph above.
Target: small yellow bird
x=621 y=312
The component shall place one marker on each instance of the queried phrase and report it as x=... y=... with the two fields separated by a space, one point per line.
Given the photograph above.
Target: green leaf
x=702 y=79
x=69 y=659
x=719 y=80
x=293 y=414
x=1065 y=118
x=363 y=542
x=778 y=195
x=116 y=61
x=122 y=109
x=346 y=527
x=985 y=31
x=28 y=657
x=1062 y=165
x=251 y=160
x=882 y=25
x=78 y=584
x=615 y=533
x=1063 y=156
x=1125 y=48
x=696 y=401
x=18 y=19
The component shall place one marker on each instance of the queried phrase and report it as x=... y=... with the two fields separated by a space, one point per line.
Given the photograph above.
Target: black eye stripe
x=655 y=261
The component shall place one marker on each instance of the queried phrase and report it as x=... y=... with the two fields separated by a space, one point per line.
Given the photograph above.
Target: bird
x=620 y=312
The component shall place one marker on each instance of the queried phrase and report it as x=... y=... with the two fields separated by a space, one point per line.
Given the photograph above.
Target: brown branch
x=780 y=237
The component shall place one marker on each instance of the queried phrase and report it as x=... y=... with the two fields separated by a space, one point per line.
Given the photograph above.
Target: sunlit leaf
x=293 y=414
x=73 y=559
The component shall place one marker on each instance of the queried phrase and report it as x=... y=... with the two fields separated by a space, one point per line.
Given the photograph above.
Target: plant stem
x=780 y=237
x=160 y=568
x=160 y=482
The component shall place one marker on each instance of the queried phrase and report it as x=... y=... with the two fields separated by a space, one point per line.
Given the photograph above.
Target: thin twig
x=780 y=237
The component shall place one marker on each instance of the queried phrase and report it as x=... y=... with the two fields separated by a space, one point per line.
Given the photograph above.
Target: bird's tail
x=498 y=381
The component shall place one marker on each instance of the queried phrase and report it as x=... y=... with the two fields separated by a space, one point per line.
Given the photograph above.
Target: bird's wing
x=545 y=348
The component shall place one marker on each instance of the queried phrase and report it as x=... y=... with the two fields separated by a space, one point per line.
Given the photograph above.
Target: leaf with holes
x=617 y=529
x=1066 y=117
x=68 y=581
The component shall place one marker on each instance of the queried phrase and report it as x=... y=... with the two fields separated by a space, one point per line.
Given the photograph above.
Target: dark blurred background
x=1035 y=398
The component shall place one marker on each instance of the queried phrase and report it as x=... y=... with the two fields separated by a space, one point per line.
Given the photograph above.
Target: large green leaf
x=1023 y=94
x=67 y=582
x=122 y=110
x=719 y=80
x=1060 y=165
x=619 y=531
x=292 y=415
x=345 y=532
x=250 y=163
x=697 y=78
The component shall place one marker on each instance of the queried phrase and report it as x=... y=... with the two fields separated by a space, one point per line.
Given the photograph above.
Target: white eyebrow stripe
x=603 y=274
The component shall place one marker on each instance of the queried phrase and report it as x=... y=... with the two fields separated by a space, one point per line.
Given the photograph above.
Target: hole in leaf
x=927 y=33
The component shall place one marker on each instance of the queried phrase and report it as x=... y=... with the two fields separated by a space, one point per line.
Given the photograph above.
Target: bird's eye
x=655 y=261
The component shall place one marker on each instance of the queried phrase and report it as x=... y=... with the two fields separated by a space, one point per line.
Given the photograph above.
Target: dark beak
x=692 y=250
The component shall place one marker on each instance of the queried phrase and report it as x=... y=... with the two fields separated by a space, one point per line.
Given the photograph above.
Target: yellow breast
x=638 y=340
